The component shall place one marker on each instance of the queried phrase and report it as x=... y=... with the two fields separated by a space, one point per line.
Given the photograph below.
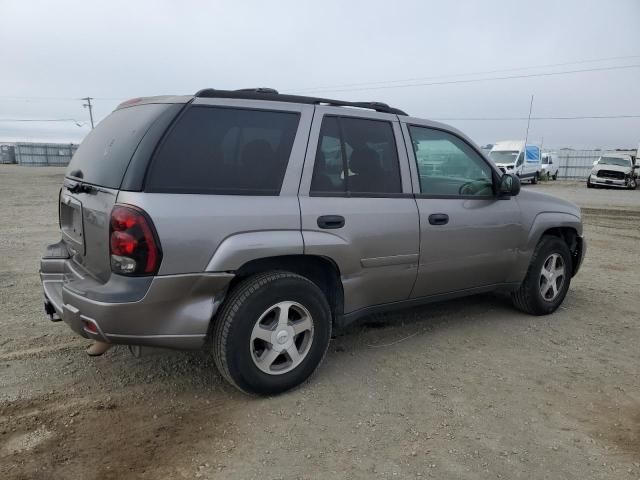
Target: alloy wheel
x=281 y=338
x=552 y=277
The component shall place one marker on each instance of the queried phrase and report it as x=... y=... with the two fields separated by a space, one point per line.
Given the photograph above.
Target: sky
x=433 y=59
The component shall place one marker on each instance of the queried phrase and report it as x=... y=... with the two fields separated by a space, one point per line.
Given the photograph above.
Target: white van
x=509 y=156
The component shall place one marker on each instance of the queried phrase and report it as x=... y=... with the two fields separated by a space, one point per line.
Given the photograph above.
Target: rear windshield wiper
x=82 y=188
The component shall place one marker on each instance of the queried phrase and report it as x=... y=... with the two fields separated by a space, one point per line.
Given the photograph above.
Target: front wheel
x=633 y=184
x=547 y=280
x=272 y=333
x=555 y=176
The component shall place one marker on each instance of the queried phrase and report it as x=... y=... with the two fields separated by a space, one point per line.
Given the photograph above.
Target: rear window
x=104 y=155
x=227 y=151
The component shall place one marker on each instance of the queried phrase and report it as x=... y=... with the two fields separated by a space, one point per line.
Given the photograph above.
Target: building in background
x=7 y=154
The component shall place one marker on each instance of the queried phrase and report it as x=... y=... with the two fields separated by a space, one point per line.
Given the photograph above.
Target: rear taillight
x=133 y=242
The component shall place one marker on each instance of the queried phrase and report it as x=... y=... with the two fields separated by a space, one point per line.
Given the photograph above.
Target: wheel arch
x=321 y=270
x=573 y=240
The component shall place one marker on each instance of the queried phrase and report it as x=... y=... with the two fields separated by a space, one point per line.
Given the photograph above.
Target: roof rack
x=273 y=95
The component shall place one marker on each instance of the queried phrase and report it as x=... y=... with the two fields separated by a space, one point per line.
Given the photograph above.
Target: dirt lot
x=464 y=390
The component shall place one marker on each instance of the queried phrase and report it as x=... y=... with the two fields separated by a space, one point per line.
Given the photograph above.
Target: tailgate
x=84 y=223
x=93 y=179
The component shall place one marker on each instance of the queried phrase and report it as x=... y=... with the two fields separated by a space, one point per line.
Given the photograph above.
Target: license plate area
x=71 y=223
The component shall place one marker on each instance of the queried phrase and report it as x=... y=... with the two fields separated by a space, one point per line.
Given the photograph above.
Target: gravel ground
x=465 y=389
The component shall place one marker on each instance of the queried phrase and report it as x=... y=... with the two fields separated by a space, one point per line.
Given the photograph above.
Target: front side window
x=226 y=151
x=356 y=156
x=448 y=166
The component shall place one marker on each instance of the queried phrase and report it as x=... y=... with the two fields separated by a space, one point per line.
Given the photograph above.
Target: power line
x=38 y=120
x=486 y=72
x=474 y=80
x=383 y=82
x=580 y=117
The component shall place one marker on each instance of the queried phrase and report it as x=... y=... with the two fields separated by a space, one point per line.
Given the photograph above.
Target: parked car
x=614 y=170
x=549 y=167
x=512 y=156
x=264 y=221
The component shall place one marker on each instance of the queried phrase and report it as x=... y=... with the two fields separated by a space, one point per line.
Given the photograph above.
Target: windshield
x=620 y=162
x=503 y=156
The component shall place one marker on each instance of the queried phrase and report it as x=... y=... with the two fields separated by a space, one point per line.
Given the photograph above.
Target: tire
x=529 y=297
x=633 y=184
x=253 y=308
x=555 y=176
x=534 y=180
x=589 y=184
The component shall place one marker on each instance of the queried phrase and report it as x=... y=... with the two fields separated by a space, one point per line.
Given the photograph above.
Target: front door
x=357 y=207
x=468 y=236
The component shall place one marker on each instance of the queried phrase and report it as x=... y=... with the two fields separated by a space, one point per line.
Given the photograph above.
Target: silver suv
x=263 y=221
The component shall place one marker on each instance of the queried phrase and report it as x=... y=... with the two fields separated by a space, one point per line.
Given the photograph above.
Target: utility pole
x=90 y=107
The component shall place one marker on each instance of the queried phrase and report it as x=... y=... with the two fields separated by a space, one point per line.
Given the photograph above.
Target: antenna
x=526 y=137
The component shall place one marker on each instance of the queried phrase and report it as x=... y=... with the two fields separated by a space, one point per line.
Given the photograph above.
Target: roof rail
x=273 y=95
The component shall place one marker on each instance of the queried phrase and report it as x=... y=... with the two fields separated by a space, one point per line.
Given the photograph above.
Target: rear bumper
x=167 y=311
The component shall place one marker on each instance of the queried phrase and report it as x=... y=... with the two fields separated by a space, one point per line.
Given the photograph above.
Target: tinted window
x=357 y=156
x=104 y=155
x=225 y=151
x=449 y=166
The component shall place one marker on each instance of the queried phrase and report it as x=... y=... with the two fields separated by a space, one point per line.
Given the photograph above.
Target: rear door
x=357 y=207
x=93 y=179
x=468 y=236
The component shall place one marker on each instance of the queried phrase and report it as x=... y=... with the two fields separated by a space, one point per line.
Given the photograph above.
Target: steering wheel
x=468 y=188
x=475 y=188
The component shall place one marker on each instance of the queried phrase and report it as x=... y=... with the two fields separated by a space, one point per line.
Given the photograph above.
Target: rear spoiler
x=159 y=99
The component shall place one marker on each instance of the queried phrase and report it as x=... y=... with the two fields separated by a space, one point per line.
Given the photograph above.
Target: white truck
x=512 y=157
x=614 y=170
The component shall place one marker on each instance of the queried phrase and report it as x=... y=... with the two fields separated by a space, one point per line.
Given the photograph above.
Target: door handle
x=331 y=221
x=438 y=219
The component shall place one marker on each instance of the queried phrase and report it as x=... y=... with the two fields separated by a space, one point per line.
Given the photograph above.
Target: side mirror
x=509 y=185
x=594 y=162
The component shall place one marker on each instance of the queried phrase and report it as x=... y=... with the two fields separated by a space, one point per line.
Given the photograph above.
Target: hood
x=613 y=168
x=543 y=202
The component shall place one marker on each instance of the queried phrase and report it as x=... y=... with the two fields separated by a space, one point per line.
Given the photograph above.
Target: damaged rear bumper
x=167 y=311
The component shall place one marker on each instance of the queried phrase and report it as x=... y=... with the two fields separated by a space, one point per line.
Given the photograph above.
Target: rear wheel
x=534 y=180
x=272 y=333
x=555 y=176
x=547 y=280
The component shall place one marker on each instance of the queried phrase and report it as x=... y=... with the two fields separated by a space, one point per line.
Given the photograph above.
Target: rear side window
x=104 y=155
x=226 y=151
x=356 y=156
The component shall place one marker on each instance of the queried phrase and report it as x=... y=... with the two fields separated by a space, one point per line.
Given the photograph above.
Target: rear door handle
x=331 y=221
x=438 y=219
